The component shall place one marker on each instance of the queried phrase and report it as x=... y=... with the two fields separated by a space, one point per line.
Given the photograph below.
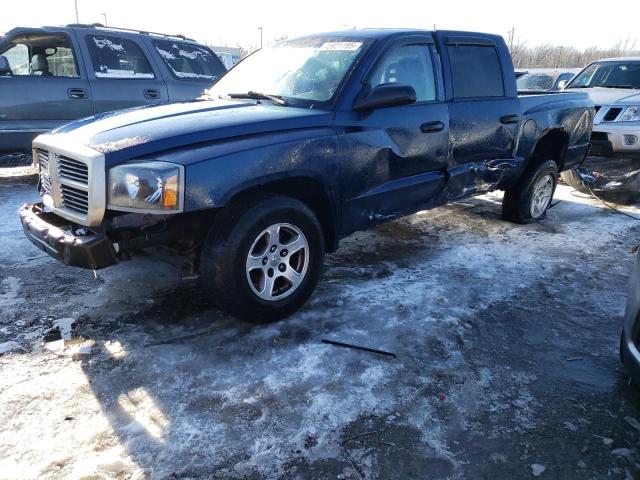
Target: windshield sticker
x=348 y=46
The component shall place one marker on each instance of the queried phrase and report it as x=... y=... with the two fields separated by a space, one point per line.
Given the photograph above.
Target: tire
x=246 y=287
x=571 y=178
x=523 y=203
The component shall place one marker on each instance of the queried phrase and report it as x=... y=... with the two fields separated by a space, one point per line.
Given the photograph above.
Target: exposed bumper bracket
x=52 y=235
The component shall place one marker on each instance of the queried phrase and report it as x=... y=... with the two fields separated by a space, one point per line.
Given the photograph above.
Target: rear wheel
x=529 y=199
x=266 y=261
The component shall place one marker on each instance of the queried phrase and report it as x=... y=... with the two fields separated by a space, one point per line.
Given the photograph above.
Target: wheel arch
x=552 y=145
x=303 y=187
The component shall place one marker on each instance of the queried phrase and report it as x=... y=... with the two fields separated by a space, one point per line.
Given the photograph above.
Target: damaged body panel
x=376 y=124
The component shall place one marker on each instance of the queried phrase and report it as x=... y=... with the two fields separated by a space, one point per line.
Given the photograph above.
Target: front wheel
x=266 y=261
x=529 y=199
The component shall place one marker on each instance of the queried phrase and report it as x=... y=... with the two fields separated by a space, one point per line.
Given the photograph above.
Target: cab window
x=115 y=57
x=476 y=71
x=41 y=55
x=189 y=62
x=407 y=65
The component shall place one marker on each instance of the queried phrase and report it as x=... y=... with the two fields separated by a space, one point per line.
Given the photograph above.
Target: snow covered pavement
x=506 y=362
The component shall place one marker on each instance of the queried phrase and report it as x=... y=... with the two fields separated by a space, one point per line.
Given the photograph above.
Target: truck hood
x=142 y=131
x=610 y=96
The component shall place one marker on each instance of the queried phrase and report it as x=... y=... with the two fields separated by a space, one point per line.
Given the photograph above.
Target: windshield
x=304 y=69
x=609 y=75
x=533 y=81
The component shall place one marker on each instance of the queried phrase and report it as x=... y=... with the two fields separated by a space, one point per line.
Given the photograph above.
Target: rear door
x=484 y=112
x=188 y=68
x=120 y=71
x=47 y=86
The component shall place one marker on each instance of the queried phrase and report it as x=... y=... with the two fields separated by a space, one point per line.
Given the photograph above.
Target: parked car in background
x=545 y=79
x=299 y=145
x=51 y=75
x=630 y=339
x=613 y=167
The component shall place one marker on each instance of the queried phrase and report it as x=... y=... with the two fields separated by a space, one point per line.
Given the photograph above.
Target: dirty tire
x=571 y=178
x=518 y=200
x=225 y=256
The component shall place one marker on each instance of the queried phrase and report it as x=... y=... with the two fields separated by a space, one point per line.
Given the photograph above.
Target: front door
x=120 y=72
x=400 y=152
x=45 y=88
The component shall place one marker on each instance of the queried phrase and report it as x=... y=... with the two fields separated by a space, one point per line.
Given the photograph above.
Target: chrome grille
x=43 y=166
x=74 y=199
x=71 y=169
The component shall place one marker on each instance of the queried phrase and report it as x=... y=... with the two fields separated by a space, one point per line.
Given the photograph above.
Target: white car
x=614 y=86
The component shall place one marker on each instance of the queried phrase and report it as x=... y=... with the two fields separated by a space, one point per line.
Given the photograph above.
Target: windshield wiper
x=259 y=96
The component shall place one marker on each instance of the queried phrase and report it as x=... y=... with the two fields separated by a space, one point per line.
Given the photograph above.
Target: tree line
x=556 y=56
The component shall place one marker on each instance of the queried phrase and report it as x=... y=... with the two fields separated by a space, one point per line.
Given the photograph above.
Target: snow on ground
x=506 y=364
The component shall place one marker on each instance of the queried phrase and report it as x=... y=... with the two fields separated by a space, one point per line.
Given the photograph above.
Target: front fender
x=239 y=165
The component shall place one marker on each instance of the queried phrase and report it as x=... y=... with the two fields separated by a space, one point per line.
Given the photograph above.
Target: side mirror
x=386 y=95
x=562 y=84
x=5 y=68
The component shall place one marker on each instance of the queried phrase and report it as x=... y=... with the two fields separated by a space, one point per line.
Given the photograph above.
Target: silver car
x=630 y=340
x=613 y=166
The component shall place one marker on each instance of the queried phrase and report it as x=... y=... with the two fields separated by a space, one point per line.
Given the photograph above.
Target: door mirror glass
x=5 y=68
x=386 y=95
x=562 y=84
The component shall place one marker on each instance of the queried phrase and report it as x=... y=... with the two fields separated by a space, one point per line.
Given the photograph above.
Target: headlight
x=154 y=187
x=630 y=114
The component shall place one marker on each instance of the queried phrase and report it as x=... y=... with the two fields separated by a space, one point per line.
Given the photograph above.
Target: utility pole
x=512 y=34
x=260 y=28
x=105 y=19
x=76 y=3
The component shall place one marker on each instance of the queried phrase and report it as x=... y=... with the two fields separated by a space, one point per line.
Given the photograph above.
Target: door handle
x=432 y=127
x=509 y=119
x=77 y=93
x=151 y=93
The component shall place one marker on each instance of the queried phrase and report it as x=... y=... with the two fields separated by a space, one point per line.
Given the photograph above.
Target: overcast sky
x=579 y=24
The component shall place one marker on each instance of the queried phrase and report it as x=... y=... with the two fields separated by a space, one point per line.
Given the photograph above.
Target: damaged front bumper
x=57 y=237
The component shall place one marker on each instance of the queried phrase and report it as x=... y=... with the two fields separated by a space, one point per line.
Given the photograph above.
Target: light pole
x=105 y=19
x=76 y=4
x=260 y=28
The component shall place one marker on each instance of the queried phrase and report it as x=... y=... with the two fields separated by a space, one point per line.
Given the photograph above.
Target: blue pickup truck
x=51 y=75
x=297 y=146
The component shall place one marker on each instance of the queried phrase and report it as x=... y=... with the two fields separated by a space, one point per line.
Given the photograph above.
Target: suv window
x=114 y=57
x=189 y=62
x=476 y=71
x=41 y=55
x=408 y=65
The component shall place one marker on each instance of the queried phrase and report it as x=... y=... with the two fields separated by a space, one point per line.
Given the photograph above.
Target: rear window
x=190 y=62
x=476 y=71
x=115 y=57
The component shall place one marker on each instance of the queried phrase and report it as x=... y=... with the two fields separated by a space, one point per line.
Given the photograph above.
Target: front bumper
x=54 y=235
x=612 y=140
